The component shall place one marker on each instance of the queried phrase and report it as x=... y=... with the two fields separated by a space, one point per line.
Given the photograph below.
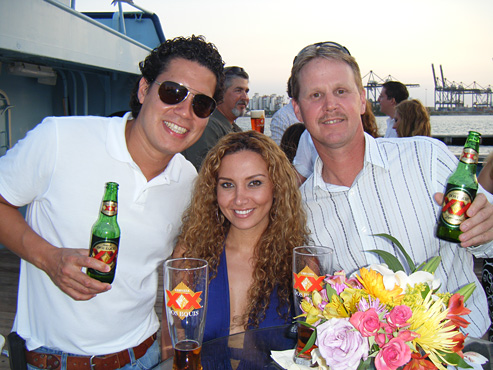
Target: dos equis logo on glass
x=306 y=281
x=183 y=301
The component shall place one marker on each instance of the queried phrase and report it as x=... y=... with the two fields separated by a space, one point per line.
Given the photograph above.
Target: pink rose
x=340 y=345
x=407 y=335
x=385 y=334
x=367 y=322
x=392 y=355
x=399 y=315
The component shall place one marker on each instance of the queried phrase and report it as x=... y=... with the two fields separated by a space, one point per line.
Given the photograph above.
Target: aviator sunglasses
x=173 y=93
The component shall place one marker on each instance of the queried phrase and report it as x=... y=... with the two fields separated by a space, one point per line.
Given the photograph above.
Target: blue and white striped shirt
x=393 y=194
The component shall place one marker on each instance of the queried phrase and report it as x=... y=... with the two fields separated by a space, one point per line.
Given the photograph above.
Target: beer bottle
x=461 y=190
x=106 y=235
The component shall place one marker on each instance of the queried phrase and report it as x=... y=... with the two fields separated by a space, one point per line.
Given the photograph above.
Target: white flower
x=319 y=360
x=400 y=278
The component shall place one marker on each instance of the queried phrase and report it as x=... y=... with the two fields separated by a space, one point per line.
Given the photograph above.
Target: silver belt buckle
x=90 y=362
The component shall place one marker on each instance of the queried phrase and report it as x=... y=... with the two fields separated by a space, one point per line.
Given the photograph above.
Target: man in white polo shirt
x=60 y=169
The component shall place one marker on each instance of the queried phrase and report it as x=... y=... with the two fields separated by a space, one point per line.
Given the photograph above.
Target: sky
x=394 y=38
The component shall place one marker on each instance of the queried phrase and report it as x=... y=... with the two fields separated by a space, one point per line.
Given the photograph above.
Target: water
x=440 y=125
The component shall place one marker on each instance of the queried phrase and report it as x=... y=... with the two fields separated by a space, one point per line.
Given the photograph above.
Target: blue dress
x=217 y=321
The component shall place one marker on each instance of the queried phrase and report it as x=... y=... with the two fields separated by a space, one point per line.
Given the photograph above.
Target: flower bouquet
x=384 y=318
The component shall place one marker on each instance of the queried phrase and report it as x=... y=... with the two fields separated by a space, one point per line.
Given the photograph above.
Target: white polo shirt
x=60 y=170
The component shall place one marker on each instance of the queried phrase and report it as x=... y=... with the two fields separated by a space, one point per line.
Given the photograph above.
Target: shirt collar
x=373 y=157
x=116 y=145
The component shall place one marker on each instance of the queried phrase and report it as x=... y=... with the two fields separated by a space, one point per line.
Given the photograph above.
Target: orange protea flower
x=419 y=362
x=372 y=281
x=456 y=309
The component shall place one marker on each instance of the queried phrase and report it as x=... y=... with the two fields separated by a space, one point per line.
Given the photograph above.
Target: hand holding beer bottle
x=106 y=235
x=460 y=192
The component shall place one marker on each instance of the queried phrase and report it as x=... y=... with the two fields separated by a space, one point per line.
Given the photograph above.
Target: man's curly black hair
x=193 y=48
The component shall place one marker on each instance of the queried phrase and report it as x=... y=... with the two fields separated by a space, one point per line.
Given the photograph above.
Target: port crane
x=374 y=84
x=450 y=95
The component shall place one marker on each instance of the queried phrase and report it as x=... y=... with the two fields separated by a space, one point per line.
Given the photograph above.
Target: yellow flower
x=313 y=314
x=316 y=298
x=335 y=308
x=351 y=298
x=372 y=281
x=428 y=320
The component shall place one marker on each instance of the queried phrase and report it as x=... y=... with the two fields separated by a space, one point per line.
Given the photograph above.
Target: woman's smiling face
x=245 y=191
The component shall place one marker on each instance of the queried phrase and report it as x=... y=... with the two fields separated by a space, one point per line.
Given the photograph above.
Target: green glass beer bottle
x=106 y=235
x=461 y=190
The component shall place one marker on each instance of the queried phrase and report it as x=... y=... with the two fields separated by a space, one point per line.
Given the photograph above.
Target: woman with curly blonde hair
x=245 y=218
x=412 y=119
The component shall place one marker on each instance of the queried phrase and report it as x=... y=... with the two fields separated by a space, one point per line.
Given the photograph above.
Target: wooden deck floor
x=9 y=276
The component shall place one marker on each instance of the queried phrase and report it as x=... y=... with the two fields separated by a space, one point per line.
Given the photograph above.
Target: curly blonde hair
x=205 y=228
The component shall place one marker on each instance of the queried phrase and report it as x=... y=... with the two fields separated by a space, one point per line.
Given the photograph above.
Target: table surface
x=248 y=350
x=251 y=350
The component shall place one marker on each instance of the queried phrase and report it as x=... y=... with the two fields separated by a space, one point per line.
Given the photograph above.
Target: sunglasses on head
x=173 y=93
x=325 y=44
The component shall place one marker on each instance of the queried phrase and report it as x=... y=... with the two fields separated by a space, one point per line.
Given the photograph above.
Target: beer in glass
x=186 y=283
x=258 y=120
x=311 y=264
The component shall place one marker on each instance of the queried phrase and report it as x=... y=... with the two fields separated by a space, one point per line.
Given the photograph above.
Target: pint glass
x=310 y=266
x=258 y=120
x=185 y=284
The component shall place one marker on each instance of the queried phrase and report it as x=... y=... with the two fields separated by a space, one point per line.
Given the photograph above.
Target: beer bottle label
x=469 y=156
x=105 y=250
x=455 y=205
x=183 y=301
x=109 y=208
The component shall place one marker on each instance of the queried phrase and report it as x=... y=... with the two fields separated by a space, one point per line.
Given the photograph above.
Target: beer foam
x=257 y=114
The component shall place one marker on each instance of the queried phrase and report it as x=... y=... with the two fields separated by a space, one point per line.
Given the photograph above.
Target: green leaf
x=463 y=364
x=425 y=291
x=304 y=323
x=391 y=261
x=330 y=292
x=363 y=365
x=455 y=359
x=432 y=264
x=310 y=342
x=467 y=290
x=410 y=262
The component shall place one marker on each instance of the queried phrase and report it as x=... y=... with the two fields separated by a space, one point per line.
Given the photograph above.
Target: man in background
x=393 y=92
x=68 y=320
x=282 y=119
x=223 y=119
x=362 y=186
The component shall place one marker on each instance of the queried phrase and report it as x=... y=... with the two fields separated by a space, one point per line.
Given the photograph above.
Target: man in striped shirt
x=363 y=186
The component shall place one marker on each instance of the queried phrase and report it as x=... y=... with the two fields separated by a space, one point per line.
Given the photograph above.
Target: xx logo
x=307 y=281
x=182 y=300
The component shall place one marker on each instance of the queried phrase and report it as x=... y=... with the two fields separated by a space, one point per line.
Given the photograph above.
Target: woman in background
x=290 y=140
x=245 y=218
x=412 y=119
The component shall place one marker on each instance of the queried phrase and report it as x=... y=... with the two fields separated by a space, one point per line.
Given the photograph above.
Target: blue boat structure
x=56 y=61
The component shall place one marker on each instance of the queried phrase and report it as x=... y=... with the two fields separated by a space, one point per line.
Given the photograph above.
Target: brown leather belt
x=104 y=362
